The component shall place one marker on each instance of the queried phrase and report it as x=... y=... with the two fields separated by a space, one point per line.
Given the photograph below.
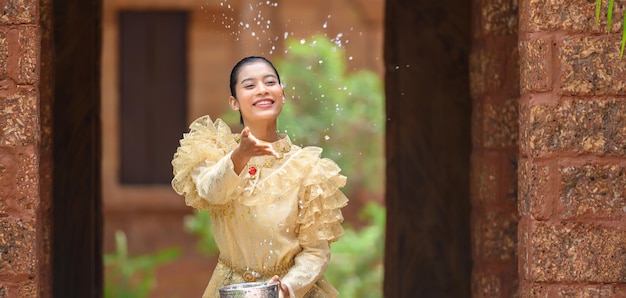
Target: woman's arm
x=216 y=182
x=309 y=267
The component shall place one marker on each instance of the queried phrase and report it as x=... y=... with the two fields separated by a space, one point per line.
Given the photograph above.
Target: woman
x=275 y=207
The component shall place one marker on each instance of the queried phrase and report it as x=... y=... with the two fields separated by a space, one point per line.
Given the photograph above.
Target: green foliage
x=199 y=224
x=132 y=277
x=610 y=22
x=341 y=112
x=356 y=265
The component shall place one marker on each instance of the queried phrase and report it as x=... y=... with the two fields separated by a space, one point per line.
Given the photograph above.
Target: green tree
x=341 y=112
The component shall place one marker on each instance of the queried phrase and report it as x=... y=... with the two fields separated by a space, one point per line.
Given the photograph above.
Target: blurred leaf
x=610 y=16
x=199 y=224
x=598 y=8
x=356 y=266
x=128 y=277
x=621 y=51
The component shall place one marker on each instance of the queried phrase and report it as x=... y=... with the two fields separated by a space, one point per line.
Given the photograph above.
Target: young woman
x=275 y=207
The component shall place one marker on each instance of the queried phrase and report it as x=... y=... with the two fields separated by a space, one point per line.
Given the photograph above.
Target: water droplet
x=325 y=25
x=397 y=67
x=326 y=137
x=302 y=41
x=350 y=58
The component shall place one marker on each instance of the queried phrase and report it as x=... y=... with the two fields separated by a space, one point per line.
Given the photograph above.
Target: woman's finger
x=274 y=279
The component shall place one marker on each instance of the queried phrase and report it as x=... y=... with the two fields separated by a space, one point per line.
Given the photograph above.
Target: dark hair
x=237 y=68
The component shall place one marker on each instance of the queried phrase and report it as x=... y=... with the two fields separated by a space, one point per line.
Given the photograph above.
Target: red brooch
x=251 y=171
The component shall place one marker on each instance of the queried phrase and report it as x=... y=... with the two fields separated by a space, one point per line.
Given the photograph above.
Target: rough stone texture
x=535 y=65
x=499 y=17
x=496 y=236
x=27 y=61
x=591 y=291
x=570 y=253
x=494 y=178
x=578 y=126
x=568 y=15
x=28 y=289
x=500 y=124
x=27 y=185
x=591 y=65
x=568 y=291
x=494 y=68
x=484 y=178
x=17 y=246
x=534 y=194
x=524 y=127
x=4 y=53
x=8 y=179
x=485 y=71
x=18 y=117
x=593 y=191
x=494 y=284
x=17 y=12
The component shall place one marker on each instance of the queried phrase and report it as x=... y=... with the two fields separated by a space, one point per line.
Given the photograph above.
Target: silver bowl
x=250 y=290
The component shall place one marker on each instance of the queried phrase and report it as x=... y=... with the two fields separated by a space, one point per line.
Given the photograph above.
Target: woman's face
x=259 y=94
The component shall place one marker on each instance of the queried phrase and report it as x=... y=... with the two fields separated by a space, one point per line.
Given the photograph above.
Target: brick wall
x=20 y=149
x=572 y=172
x=494 y=86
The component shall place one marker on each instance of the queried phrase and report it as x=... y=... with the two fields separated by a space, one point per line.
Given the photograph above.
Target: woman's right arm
x=217 y=182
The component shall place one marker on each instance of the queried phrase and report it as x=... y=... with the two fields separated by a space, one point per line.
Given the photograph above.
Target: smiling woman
x=275 y=207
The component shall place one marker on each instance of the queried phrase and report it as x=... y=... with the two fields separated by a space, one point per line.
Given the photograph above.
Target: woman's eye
x=248 y=86
x=271 y=83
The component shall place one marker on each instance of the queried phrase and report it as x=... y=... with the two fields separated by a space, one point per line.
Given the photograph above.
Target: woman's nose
x=262 y=89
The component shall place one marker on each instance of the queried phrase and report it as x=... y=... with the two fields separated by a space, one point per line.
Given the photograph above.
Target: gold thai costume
x=277 y=217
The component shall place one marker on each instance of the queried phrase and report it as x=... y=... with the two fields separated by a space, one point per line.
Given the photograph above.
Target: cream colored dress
x=279 y=221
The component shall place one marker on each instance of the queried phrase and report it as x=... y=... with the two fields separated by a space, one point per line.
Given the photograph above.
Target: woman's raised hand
x=251 y=146
x=248 y=147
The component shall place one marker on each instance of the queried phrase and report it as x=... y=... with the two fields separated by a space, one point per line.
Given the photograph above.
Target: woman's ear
x=234 y=103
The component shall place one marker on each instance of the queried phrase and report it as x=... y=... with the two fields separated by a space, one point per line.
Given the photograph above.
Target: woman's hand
x=248 y=147
x=284 y=291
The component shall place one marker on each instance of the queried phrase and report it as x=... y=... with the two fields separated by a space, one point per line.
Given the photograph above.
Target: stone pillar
x=572 y=172
x=494 y=87
x=24 y=249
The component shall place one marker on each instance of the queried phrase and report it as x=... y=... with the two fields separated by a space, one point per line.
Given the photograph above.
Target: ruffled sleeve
x=320 y=205
x=319 y=221
x=204 y=154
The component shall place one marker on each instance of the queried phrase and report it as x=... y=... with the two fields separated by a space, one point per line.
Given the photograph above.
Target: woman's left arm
x=319 y=222
x=309 y=267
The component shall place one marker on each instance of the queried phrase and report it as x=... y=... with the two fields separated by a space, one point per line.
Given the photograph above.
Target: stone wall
x=21 y=152
x=572 y=171
x=494 y=87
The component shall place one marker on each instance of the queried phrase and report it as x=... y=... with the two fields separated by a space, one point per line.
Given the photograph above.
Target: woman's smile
x=263 y=103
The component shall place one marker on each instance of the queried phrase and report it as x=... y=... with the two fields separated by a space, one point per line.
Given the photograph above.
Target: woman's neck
x=265 y=131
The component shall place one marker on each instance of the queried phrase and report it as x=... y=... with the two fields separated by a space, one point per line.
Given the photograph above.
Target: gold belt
x=250 y=275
